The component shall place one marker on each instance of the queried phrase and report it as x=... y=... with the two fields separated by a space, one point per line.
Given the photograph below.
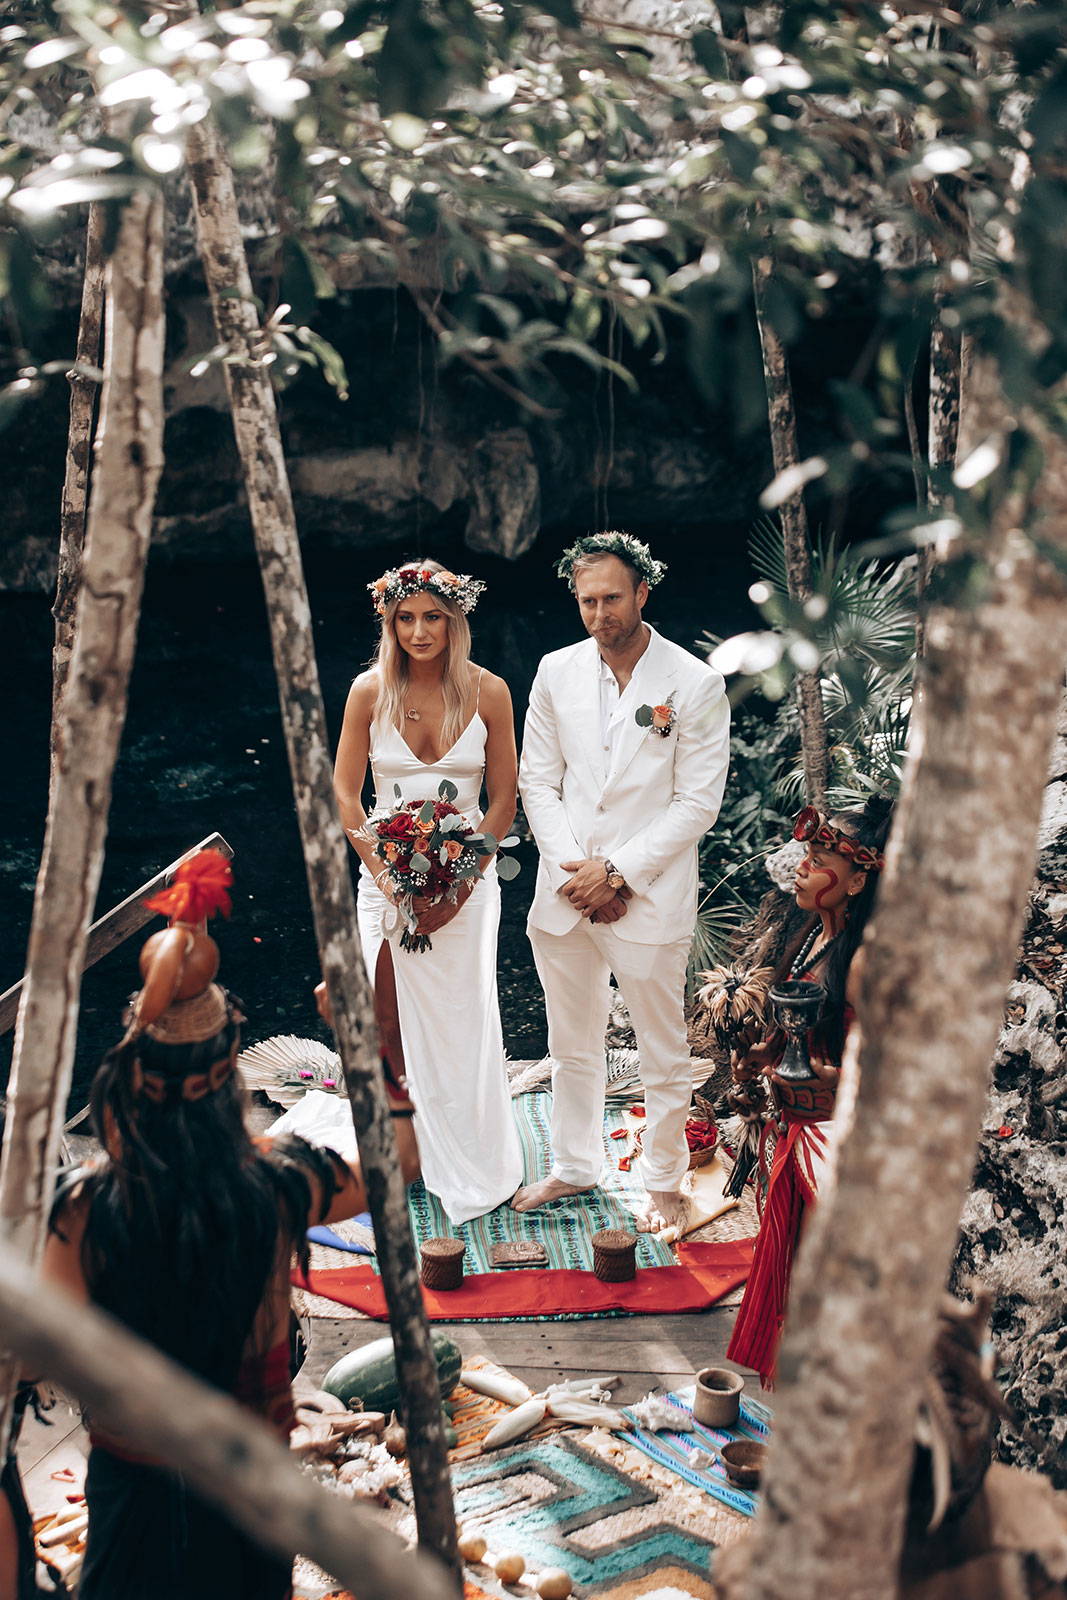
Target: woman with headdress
x=814 y=937
x=184 y=1229
x=425 y=714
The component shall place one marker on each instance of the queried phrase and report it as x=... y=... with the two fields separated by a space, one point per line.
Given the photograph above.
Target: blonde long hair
x=390 y=663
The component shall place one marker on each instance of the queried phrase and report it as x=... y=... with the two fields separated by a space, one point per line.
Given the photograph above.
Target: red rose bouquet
x=430 y=850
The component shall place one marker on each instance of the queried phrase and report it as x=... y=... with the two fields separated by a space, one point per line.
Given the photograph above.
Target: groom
x=623 y=768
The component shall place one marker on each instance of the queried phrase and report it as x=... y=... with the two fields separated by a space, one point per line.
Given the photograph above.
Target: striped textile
x=673 y=1450
x=564 y=1228
x=797 y=1161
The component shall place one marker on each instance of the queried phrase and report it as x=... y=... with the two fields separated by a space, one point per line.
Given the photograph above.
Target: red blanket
x=705 y=1272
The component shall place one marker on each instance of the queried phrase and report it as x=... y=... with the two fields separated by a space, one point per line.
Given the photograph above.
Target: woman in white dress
x=424 y=713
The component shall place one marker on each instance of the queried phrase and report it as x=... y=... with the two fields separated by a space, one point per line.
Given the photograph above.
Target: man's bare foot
x=666 y=1208
x=539 y=1194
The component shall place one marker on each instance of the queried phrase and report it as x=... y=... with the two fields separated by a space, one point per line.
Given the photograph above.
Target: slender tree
x=91 y=717
x=259 y=442
x=84 y=389
x=785 y=453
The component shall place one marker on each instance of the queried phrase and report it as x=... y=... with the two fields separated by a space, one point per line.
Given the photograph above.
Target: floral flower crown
x=400 y=582
x=624 y=545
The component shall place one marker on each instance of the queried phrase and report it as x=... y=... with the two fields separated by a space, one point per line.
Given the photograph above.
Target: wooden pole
x=225 y=1452
x=75 y=497
x=255 y=421
x=129 y=458
x=782 y=418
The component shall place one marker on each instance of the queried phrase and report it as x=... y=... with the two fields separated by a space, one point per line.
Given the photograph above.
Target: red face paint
x=833 y=879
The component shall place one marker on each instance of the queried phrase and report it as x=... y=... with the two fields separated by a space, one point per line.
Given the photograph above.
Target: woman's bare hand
x=431 y=915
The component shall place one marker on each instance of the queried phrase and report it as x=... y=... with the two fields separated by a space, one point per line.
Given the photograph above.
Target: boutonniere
x=658 y=719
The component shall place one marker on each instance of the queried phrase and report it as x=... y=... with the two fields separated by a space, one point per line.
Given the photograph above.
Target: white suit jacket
x=648 y=812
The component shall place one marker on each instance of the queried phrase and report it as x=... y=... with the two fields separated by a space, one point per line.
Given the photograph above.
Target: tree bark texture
x=782 y=419
x=129 y=458
x=259 y=442
x=75 y=497
x=226 y=1454
x=876 y=1255
x=943 y=432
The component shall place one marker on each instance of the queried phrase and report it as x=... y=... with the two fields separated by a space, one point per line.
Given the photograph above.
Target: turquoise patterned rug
x=565 y=1227
x=560 y=1505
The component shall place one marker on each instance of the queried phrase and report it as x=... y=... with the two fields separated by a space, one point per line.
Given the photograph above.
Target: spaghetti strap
x=478 y=699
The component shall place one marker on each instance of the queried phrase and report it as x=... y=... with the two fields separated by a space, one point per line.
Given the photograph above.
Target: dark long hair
x=781 y=926
x=187 y=1220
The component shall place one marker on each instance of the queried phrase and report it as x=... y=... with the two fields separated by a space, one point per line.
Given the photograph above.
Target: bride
x=424 y=713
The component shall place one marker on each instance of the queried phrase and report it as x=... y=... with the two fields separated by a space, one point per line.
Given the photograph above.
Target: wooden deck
x=660 y=1352
x=646 y=1352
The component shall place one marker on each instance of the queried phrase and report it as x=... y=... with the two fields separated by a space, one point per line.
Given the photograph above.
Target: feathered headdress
x=200 y=887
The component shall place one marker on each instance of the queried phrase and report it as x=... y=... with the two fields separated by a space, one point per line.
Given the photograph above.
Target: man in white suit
x=623 y=767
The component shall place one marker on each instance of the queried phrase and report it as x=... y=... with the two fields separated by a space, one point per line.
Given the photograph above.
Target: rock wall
x=1014 y=1235
x=416 y=451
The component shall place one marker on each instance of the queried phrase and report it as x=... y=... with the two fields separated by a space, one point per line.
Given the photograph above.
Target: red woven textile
x=705 y=1272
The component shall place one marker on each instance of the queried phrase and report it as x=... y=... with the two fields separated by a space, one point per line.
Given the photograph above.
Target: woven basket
x=442 y=1263
x=614 y=1255
x=698 y=1157
x=701 y=1157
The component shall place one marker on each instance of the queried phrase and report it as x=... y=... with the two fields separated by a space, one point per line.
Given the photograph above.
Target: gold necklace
x=412 y=715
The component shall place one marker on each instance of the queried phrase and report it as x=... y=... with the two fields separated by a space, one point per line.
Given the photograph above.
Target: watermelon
x=369 y=1375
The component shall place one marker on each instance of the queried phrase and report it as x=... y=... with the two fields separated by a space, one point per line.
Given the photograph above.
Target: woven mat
x=584 y=1500
x=673 y=1451
x=474 y=1414
x=563 y=1228
x=561 y=1502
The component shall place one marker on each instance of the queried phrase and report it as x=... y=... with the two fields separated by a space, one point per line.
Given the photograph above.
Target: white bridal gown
x=447 y=997
x=447 y=1000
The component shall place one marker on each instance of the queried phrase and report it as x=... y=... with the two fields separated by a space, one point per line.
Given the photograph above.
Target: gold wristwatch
x=614 y=879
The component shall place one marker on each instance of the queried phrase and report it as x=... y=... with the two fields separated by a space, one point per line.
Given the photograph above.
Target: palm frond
x=766 y=551
x=716 y=931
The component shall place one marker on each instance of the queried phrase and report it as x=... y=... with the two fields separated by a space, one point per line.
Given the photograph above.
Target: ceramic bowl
x=743 y=1461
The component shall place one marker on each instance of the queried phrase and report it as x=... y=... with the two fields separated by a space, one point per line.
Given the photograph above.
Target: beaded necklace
x=803 y=955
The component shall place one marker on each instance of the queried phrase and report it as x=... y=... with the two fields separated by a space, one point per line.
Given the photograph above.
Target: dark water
x=203 y=752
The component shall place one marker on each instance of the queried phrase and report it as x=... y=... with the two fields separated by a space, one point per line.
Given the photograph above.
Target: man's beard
x=618 y=637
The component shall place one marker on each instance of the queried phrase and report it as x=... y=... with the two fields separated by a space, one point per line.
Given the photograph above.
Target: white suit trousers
x=575 y=969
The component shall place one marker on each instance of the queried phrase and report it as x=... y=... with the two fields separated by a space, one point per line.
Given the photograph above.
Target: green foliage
x=860 y=634
x=513 y=155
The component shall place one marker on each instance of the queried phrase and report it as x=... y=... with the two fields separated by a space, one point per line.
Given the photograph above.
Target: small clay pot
x=717 y=1398
x=442 y=1263
x=743 y=1461
x=614 y=1255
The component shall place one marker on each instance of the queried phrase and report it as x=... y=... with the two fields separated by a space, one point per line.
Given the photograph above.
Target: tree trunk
x=876 y=1255
x=326 y=856
x=128 y=463
x=945 y=202
x=75 y=499
x=943 y=431
x=226 y=1453
x=782 y=417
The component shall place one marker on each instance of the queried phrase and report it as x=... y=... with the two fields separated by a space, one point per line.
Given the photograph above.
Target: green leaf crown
x=626 y=546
